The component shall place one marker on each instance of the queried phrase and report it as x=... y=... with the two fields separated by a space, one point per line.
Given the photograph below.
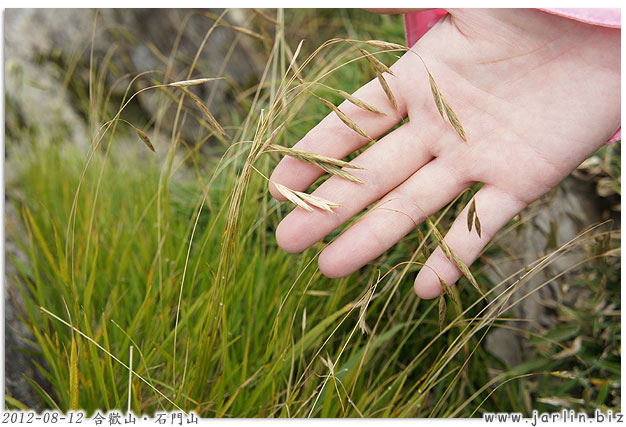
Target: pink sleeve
x=605 y=17
x=418 y=23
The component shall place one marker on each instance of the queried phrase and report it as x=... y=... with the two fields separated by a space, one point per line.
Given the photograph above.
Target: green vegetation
x=174 y=254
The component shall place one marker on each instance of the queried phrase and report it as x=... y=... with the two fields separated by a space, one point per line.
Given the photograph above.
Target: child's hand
x=536 y=95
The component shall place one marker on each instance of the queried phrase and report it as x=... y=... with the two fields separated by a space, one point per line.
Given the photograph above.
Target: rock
x=47 y=58
x=552 y=222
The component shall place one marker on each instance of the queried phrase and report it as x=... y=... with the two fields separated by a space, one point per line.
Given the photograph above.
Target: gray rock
x=43 y=45
x=559 y=216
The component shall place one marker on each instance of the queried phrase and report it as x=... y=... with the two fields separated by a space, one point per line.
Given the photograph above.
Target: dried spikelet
x=292 y=197
x=472 y=219
x=318 y=202
x=477 y=226
x=443 y=245
x=454 y=120
x=439 y=238
x=359 y=103
x=194 y=82
x=144 y=138
x=345 y=119
x=442 y=312
x=420 y=235
x=465 y=270
x=385 y=45
x=443 y=105
x=209 y=117
x=387 y=89
x=305 y=201
x=327 y=164
x=564 y=374
x=375 y=62
x=329 y=364
x=205 y=112
x=448 y=291
x=445 y=248
x=471 y=212
x=436 y=94
x=452 y=256
x=363 y=326
x=310 y=157
x=296 y=70
x=365 y=329
x=333 y=170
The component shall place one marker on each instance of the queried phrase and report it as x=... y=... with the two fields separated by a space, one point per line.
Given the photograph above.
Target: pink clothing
x=418 y=23
x=605 y=17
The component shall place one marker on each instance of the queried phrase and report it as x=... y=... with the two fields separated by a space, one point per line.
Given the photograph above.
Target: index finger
x=333 y=138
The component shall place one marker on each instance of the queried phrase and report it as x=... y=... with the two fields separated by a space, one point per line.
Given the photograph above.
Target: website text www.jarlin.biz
x=555 y=417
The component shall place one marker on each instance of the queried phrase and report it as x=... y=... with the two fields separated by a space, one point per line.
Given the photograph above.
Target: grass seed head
x=141 y=134
x=375 y=62
x=436 y=94
x=208 y=116
x=471 y=212
x=465 y=270
x=333 y=170
x=305 y=201
x=448 y=291
x=442 y=311
x=477 y=226
x=292 y=197
x=318 y=202
x=345 y=119
x=387 y=89
x=327 y=164
x=359 y=103
x=293 y=66
x=194 y=82
x=310 y=157
x=144 y=138
x=454 y=120
x=443 y=105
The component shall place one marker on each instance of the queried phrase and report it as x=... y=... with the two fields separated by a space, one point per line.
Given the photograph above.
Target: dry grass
x=305 y=201
x=327 y=164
